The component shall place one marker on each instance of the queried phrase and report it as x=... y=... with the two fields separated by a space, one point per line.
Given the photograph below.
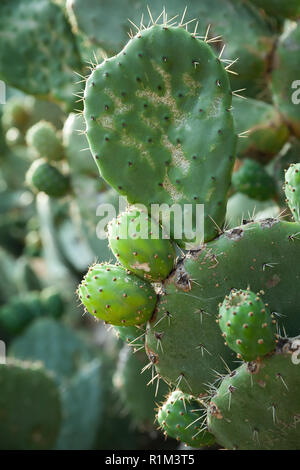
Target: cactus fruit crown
x=117 y=296
x=182 y=416
x=159 y=125
x=247 y=325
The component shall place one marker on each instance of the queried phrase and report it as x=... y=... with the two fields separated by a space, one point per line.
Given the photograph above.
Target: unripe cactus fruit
x=117 y=296
x=42 y=176
x=292 y=189
x=247 y=325
x=130 y=238
x=182 y=417
x=43 y=138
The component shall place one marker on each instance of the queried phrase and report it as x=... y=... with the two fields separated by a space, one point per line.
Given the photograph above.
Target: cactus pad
x=159 y=125
x=253 y=180
x=30 y=407
x=257 y=405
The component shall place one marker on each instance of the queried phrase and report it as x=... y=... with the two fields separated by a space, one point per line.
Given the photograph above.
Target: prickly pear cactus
x=117 y=296
x=45 y=41
x=183 y=417
x=168 y=125
x=42 y=137
x=137 y=242
x=257 y=405
x=247 y=325
x=31 y=407
x=284 y=83
x=43 y=176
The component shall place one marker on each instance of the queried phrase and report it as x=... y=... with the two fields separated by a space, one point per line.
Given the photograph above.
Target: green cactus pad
x=117 y=296
x=43 y=138
x=30 y=407
x=133 y=335
x=285 y=76
x=184 y=341
x=253 y=180
x=182 y=417
x=138 y=397
x=44 y=62
x=43 y=176
x=257 y=405
x=292 y=189
x=247 y=325
x=131 y=238
x=262 y=129
x=61 y=350
x=83 y=404
x=159 y=125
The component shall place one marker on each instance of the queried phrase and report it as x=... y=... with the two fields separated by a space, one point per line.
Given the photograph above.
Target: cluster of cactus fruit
x=210 y=314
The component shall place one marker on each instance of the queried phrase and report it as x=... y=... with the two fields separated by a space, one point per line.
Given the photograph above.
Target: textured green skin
x=116 y=296
x=137 y=397
x=130 y=334
x=247 y=325
x=144 y=160
x=43 y=64
x=132 y=245
x=30 y=407
x=286 y=64
x=253 y=180
x=61 y=351
x=177 y=417
x=97 y=19
x=262 y=258
x=264 y=406
x=292 y=189
x=82 y=404
x=43 y=138
x=290 y=9
x=42 y=176
x=267 y=130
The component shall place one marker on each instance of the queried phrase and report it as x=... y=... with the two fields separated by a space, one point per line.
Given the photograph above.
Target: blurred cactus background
x=71 y=381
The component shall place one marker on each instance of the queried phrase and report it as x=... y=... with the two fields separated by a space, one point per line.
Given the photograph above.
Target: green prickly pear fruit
x=117 y=296
x=247 y=324
x=253 y=180
x=292 y=189
x=42 y=176
x=17 y=113
x=182 y=417
x=130 y=239
x=43 y=138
